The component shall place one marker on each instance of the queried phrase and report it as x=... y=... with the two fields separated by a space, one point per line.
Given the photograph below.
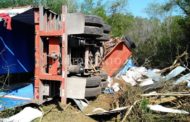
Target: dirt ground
x=57 y=113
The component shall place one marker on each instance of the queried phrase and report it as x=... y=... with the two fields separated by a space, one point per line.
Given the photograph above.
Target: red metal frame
x=115 y=59
x=50 y=27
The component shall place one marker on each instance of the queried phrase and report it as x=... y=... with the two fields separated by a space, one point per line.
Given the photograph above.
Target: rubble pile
x=153 y=96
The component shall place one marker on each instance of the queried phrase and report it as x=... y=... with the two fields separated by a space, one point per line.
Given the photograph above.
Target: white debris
x=185 y=78
x=155 y=74
x=136 y=75
x=99 y=109
x=166 y=110
x=26 y=115
x=175 y=72
x=129 y=79
x=110 y=81
x=115 y=87
x=140 y=70
x=147 y=82
x=143 y=77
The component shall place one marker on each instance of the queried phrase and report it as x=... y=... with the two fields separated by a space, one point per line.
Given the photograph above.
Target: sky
x=137 y=7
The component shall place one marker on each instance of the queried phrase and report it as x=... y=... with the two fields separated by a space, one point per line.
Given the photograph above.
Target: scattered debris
x=82 y=104
x=178 y=70
x=167 y=110
x=126 y=67
x=22 y=116
x=104 y=112
x=17 y=95
x=185 y=78
x=137 y=75
x=128 y=112
x=115 y=87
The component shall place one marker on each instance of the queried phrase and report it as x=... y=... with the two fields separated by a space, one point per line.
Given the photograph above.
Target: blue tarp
x=16 y=48
x=126 y=67
x=25 y=91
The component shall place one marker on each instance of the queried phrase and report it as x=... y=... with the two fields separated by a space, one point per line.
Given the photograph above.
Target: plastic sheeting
x=10 y=99
x=127 y=66
x=26 y=115
x=16 y=48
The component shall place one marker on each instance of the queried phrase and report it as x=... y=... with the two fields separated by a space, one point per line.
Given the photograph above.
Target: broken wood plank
x=128 y=112
x=162 y=100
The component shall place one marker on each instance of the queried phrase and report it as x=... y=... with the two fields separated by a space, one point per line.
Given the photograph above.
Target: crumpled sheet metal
x=161 y=108
x=145 y=77
x=178 y=70
x=104 y=112
x=185 y=78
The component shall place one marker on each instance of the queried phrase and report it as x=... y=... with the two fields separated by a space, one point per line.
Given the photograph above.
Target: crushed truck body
x=59 y=55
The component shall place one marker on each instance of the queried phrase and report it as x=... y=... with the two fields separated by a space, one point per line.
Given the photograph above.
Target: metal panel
x=116 y=58
x=76 y=87
x=75 y=23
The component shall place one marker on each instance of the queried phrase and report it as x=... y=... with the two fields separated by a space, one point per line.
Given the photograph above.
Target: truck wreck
x=48 y=51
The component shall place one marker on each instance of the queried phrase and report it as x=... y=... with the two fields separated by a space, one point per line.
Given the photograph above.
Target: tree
x=184 y=5
x=120 y=23
x=162 y=37
x=14 y=3
x=55 y=5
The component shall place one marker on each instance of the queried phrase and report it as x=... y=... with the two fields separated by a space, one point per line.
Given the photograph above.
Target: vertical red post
x=37 y=54
x=64 y=56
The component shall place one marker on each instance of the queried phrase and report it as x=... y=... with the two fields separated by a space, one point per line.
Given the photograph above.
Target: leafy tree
x=184 y=5
x=87 y=6
x=120 y=24
x=14 y=3
x=55 y=5
x=162 y=37
x=113 y=12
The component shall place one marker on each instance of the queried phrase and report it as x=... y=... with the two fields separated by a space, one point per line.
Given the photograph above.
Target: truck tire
x=129 y=43
x=93 y=20
x=92 y=92
x=91 y=30
x=93 y=81
x=106 y=28
x=104 y=37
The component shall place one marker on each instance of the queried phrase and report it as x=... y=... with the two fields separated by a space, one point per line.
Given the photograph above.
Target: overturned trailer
x=50 y=51
x=27 y=48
